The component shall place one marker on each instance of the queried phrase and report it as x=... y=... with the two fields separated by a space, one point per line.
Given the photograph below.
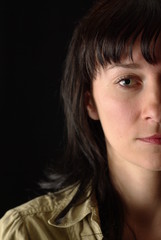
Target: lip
x=155 y=139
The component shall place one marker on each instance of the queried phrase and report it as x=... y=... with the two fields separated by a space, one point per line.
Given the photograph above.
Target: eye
x=129 y=82
x=126 y=82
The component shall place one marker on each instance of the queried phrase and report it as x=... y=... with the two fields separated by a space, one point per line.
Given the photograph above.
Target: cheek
x=117 y=117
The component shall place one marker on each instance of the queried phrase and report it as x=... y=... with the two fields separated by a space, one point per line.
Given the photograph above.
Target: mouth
x=155 y=139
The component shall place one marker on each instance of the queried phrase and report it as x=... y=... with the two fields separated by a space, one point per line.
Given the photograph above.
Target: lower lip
x=156 y=141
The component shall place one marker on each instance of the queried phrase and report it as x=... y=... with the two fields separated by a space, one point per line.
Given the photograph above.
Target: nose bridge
x=156 y=90
x=155 y=93
x=152 y=108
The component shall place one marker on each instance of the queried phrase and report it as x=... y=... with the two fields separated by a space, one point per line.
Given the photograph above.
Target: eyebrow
x=122 y=65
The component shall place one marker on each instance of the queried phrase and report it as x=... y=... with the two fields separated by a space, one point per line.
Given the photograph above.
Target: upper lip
x=155 y=136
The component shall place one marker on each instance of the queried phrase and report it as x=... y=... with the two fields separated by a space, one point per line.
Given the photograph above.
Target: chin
x=154 y=166
x=150 y=160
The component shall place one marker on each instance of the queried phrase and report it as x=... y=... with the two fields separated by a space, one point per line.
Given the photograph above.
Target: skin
x=126 y=98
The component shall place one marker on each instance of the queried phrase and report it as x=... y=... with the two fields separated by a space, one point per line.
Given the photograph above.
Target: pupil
x=127 y=81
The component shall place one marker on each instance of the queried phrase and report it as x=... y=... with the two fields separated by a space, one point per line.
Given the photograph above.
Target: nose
x=151 y=110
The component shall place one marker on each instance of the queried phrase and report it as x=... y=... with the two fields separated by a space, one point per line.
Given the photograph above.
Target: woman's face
x=127 y=101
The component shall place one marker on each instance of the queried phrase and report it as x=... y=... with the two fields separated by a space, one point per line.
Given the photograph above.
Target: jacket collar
x=76 y=213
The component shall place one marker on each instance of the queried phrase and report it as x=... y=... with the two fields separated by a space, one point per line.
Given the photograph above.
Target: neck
x=139 y=189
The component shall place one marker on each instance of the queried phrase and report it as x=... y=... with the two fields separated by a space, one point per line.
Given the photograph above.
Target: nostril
x=152 y=112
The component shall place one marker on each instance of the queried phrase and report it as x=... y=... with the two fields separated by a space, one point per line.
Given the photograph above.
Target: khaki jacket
x=35 y=220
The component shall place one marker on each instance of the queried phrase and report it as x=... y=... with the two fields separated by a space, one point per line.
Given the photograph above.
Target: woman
x=109 y=186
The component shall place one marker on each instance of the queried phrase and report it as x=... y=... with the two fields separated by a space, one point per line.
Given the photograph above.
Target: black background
x=33 y=46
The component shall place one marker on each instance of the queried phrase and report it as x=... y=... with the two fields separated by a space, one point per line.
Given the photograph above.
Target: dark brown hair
x=109 y=29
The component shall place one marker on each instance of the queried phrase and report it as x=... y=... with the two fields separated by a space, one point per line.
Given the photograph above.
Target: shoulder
x=25 y=220
x=33 y=218
x=36 y=218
